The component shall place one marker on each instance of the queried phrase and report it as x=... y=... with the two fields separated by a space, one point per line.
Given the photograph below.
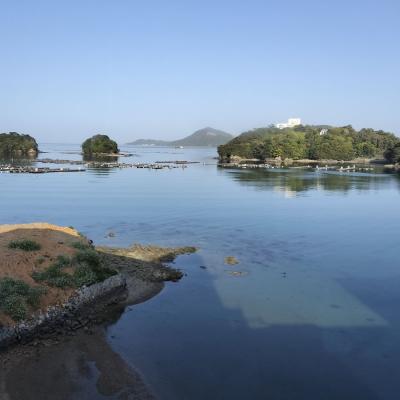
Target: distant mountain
x=204 y=137
x=149 y=142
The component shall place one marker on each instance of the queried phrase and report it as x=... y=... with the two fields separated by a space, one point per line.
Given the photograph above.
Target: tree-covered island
x=99 y=145
x=13 y=144
x=312 y=143
x=392 y=154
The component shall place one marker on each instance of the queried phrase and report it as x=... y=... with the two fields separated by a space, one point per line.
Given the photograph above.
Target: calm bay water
x=311 y=310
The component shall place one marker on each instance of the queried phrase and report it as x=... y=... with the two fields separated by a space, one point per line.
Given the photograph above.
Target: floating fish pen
x=349 y=168
x=13 y=169
x=246 y=166
x=352 y=168
x=51 y=161
x=34 y=170
x=124 y=165
x=178 y=162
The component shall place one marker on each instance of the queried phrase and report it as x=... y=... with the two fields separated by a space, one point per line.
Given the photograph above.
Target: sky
x=163 y=69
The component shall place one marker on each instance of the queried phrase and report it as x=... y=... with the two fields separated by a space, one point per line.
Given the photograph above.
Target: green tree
x=393 y=154
x=14 y=144
x=99 y=144
x=309 y=141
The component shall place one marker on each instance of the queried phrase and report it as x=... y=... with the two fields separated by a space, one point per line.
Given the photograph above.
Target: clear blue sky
x=163 y=69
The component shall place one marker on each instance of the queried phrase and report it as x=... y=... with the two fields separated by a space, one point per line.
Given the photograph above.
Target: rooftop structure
x=291 y=123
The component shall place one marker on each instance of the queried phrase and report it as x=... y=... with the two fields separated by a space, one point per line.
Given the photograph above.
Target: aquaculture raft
x=34 y=170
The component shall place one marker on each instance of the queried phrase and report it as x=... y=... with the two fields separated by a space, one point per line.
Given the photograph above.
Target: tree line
x=14 y=144
x=312 y=142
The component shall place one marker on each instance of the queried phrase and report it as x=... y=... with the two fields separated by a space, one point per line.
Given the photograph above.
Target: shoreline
x=289 y=161
x=72 y=350
x=78 y=340
x=71 y=353
x=356 y=165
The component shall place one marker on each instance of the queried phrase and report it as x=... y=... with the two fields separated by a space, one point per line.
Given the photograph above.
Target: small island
x=14 y=144
x=308 y=143
x=100 y=145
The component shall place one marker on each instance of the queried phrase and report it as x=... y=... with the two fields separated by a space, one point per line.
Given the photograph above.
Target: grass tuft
x=80 y=246
x=25 y=245
x=54 y=274
x=16 y=297
x=87 y=270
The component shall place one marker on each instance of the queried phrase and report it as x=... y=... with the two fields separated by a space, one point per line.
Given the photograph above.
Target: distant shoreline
x=288 y=161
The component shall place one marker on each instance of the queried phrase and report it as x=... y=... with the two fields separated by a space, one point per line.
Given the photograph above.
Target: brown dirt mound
x=18 y=264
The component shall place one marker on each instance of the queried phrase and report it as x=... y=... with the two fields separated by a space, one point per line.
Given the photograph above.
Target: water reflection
x=82 y=367
x=196 y=340
x=293 y=182
x=315 y=317
x=100 y=159
x=101 y=172
x=18 y=161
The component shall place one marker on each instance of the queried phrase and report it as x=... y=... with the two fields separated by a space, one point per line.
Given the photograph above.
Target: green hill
x=14 y=144
x=204 y=137
x=309 y=142
x=99 y=144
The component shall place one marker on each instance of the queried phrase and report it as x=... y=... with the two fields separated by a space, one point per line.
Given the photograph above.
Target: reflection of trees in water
x=301 y=181
x=100 y=158
x=398 y=179
x=101 y=171
x=18 y=160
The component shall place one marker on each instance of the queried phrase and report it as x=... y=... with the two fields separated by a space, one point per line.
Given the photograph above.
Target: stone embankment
x=76 y=313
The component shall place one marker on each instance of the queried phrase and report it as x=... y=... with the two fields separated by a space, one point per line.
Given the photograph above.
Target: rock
x=230 y=260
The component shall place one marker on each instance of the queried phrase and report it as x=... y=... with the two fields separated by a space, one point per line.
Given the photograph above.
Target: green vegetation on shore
x=14 y=144
x=392 y=154
x=99 y=144
x=309 y=142
x=25 y=245
x=85 y=268
x=17 y=297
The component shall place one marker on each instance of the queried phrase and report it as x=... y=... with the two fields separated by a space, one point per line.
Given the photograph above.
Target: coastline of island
x=55 y=282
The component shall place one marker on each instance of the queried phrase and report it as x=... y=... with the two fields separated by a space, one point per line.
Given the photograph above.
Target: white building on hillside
x=291 y=123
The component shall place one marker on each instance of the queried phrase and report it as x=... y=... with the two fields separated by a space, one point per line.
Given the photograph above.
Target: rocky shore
x=56 y=342
x=71 y=315
x=141 y=273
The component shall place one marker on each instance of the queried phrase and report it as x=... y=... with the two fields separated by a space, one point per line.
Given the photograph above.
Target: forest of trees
x=310 y=142
x=14 y=144
x=99 y=144
x=392 y=154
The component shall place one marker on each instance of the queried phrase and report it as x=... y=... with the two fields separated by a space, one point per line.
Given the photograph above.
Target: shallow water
x=313 y=312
